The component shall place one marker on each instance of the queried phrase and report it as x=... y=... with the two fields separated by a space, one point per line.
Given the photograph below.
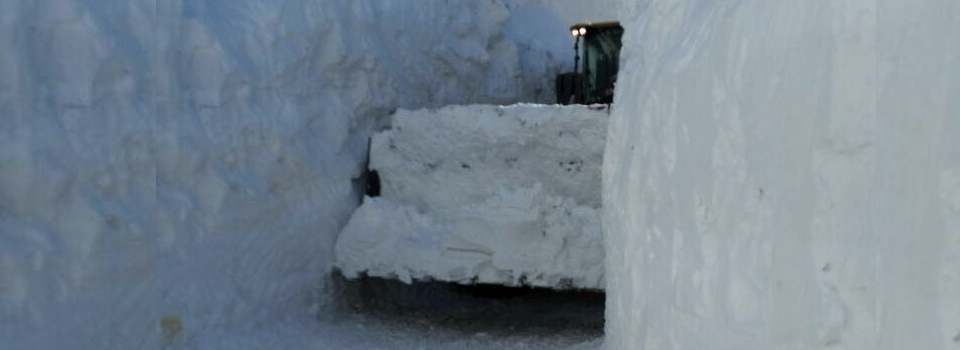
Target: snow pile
x=785 y=175
x=505 y=195
x=187 y=164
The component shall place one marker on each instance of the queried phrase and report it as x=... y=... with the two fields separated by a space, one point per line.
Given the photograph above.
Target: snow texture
x=168 y=167
x=387 y=314
x=484 y=194
x=785 y=175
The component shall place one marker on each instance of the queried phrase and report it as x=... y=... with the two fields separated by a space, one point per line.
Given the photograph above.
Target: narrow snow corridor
x=187 y=175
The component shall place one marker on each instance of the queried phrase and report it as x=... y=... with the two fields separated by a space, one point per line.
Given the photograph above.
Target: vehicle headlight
x=574 y=32
x=583 y=31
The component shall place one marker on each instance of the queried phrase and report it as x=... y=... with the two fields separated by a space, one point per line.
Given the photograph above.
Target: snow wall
x=785 y=175
x=484 y=194
x=167 y=167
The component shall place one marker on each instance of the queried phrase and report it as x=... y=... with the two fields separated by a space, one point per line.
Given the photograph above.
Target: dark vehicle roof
x=604 y=24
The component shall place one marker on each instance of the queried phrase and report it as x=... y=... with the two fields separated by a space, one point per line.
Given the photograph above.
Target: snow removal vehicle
x=593 y=81
x=497 y=195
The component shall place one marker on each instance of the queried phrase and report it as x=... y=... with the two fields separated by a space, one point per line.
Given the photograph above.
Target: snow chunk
x=506 y=195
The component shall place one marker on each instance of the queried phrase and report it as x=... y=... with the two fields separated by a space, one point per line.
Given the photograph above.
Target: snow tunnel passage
x=474 y=309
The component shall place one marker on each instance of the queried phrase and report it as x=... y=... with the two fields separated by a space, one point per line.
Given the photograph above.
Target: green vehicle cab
x=592 y=81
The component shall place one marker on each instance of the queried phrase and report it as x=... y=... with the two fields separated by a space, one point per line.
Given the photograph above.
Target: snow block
x=484 y=194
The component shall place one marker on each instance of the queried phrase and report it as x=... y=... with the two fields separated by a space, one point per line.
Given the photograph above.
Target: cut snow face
x=484 y=194
x=785 y=175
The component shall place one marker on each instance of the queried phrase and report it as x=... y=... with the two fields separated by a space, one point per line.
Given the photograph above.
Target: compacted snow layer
x=171 y=166
x=488 y=194
x=785 y=175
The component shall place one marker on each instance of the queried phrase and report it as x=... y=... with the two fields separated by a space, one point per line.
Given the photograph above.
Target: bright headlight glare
x=583 y=31
x=573 y=32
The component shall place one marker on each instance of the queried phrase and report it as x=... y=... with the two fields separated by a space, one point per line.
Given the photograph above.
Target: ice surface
x=168 y=167
x=503 y=195
x=784 y=175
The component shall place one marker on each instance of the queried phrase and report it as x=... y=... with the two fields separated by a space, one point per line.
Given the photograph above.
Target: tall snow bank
x=785 y=175
x=171 y=166
x=484 y=194
x=78 y=185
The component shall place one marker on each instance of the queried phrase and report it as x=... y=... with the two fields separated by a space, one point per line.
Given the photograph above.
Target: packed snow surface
x=390 y=315
x=785 y=175
x=180 y=166
x=484 y=194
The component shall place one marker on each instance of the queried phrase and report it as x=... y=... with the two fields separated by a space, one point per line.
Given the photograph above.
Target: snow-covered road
x=378 y=314
x=367 y=333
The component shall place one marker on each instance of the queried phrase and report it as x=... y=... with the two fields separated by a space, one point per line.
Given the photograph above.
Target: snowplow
x=499 y=195
x=592 y=81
